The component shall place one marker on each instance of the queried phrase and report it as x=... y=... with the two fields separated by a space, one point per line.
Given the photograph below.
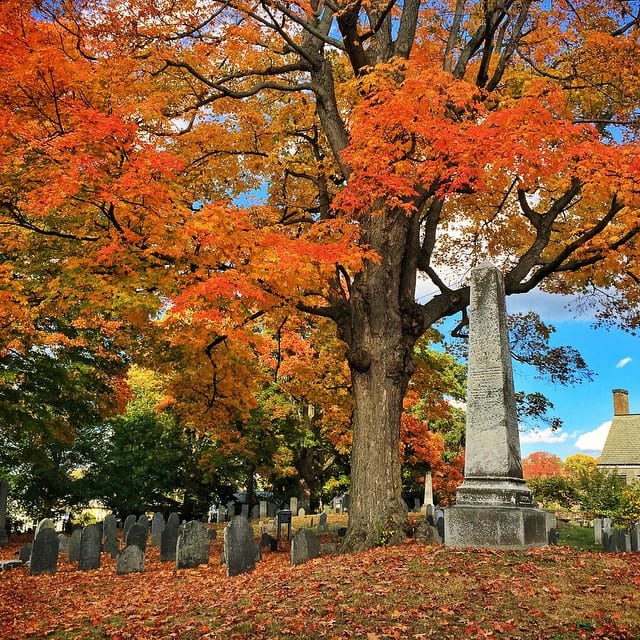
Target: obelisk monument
x=494 y=508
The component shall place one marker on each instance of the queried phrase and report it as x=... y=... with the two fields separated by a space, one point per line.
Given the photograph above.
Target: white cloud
x=594 y=440
x=547 y=436
x=623 y=363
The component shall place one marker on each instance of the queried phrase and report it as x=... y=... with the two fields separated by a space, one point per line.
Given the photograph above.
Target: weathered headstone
x=597 y=530
x=304 y=546
x=494 y=507
x=635 y=537
x=192 y=548
x=45 y=523
x=263 y=509
x=293 y=504
x=137 y=536
x=323 y=527
x=301 y=513
x=169 y=538
x=74 y=545
x=268 y=542
x=110 y=542
x=240 y=548
x=129 y=521
x=63 y=543
x=90 y=548
x=25 y=552
x=4 y=493
x=131 y=560
x=44 y=553
x=157 y=526
x=425 y=532
x=144 y=522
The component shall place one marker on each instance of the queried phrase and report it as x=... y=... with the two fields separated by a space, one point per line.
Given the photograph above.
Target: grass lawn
x=412 y=591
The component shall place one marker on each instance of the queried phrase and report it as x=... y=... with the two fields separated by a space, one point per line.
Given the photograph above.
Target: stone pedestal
x=495 y=527
x=494 y=507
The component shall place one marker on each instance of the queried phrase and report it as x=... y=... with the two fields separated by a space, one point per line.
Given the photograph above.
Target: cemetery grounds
x=411 y=591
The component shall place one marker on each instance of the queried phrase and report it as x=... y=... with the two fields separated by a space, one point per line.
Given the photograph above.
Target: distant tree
x=541 y=464
x=579 y=464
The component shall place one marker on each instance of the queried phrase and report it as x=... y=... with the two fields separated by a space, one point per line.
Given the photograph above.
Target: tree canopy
x=222 y=167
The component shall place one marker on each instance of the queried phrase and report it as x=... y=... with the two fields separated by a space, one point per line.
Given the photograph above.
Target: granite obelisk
x=494 y=507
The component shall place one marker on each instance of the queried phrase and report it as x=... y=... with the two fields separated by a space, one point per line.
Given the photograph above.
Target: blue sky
x=585 y=409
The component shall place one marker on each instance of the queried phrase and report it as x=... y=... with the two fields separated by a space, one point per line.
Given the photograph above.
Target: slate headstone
x=137 y=535
x=63 y=543
x=304 y=546
x=129 y=521
x=323 y=527
x=110 y=542
x=157 y=526
x=635 y=537
x=90 y=540
x=25 y=552
x=240 y=548
x=144 y=521
x=192 y=548
x=45 y=523
x=74 y=545
x=44 y=553
x=131 y=560
x=268 y=542
x=169 y=538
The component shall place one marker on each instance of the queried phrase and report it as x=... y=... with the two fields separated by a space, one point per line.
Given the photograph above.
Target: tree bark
x=380 y=358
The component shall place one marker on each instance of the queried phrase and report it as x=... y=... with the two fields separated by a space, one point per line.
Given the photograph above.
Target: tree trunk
x=380 y=350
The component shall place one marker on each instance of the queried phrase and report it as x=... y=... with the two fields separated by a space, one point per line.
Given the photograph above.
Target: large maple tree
x=396 y=140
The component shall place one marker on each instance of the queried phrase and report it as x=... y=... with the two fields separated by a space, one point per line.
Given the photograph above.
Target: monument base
x=495 y=527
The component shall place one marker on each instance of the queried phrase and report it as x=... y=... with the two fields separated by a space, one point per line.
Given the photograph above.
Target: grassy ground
x=412 y=591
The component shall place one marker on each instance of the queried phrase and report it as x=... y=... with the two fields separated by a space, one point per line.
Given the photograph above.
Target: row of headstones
x=616 y=540
x=187 y=544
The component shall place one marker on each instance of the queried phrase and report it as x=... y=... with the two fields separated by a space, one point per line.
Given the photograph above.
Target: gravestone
x=428 y=491
x=45 y=523
x=301 y=513
x=44 y=553
x=63 y=543
x=25 y=552
x=74 y=545
x=597 y=530
x=169 y=538
x=304 y=546
x=323 y=527
x=293 y=505
x=635 y=537
x=4 y=493
x=129 y=521
x=192 y=548
x=425 y=532
x=494 y=507
x=144 y=522
x=110 y=542
x=137 y=536
x=157 y=526
x=268 y=542
x=264 y=509
x=240 y=548
x=131 y=560
x=90 y=540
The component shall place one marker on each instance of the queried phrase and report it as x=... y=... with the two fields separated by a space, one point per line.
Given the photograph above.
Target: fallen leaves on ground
x=411 y=591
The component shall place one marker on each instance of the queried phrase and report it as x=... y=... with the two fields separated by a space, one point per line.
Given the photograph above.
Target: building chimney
x=620 y=402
